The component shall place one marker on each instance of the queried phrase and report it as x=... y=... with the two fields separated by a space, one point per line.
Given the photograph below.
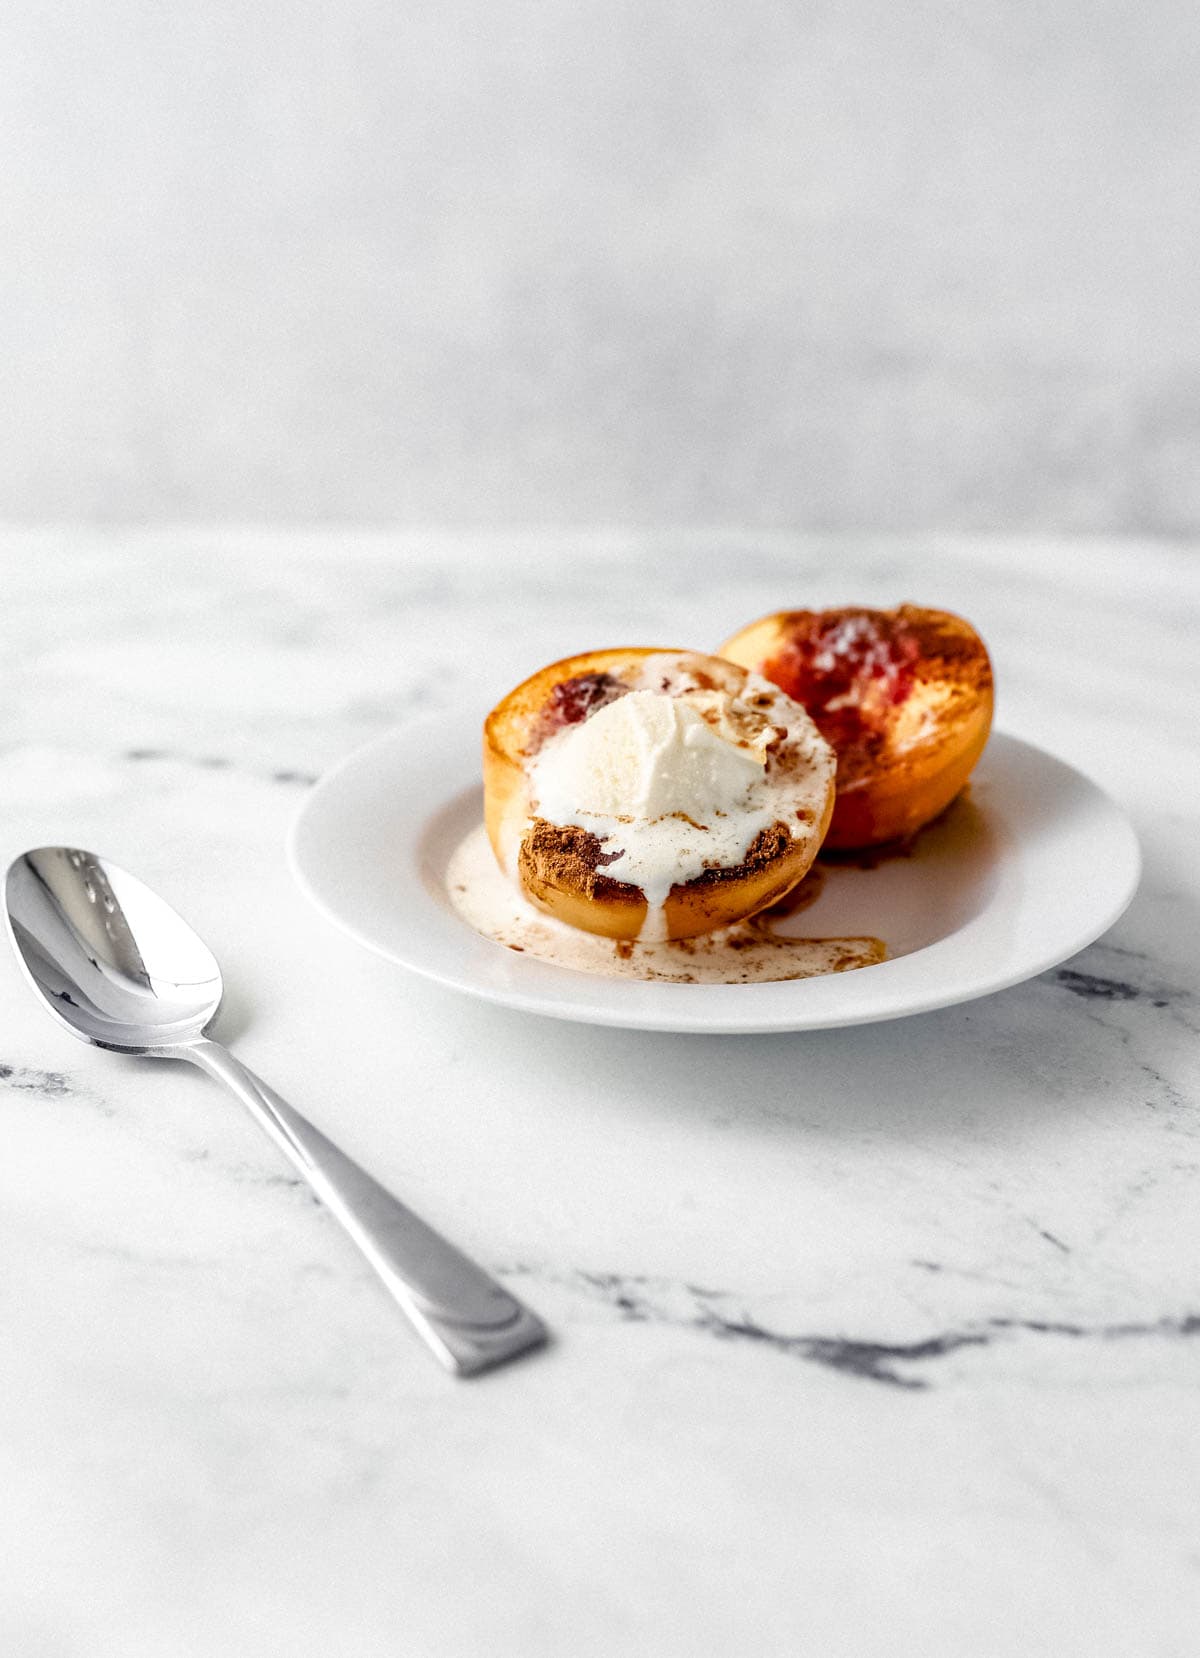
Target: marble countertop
x=873 y=1341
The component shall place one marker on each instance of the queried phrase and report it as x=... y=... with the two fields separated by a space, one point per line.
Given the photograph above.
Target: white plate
x=1032 y=865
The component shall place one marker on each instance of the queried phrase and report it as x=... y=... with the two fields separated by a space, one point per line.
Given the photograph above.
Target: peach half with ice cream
x=654 y=794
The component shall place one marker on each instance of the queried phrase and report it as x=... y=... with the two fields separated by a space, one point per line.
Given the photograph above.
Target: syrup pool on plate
x=749 y=952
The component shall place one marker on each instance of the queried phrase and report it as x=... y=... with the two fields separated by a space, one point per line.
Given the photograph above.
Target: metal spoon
x=119 y=968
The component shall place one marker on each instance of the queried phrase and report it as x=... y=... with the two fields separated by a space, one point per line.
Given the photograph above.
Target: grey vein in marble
x=642 y=1300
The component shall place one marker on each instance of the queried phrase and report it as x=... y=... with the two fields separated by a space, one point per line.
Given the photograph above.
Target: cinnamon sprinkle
x=767 y=847
x=569 y=859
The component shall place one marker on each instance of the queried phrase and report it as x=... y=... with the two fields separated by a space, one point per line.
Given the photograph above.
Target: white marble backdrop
x=639 y=261
x=869 y=1343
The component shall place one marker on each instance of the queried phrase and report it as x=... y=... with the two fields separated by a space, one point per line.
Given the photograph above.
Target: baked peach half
x=903 y=696
x=654 y=793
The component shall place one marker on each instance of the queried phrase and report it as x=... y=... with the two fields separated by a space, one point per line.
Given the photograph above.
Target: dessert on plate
x=653 y=813
x=654 y=794
x=903 y=696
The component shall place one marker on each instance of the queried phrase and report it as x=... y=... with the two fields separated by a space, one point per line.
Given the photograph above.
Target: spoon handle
x=469 y=1320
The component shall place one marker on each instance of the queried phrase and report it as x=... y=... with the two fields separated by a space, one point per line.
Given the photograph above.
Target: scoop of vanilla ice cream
x=645 y=756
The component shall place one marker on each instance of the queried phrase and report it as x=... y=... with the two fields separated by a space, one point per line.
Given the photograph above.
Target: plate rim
x=620 y=1010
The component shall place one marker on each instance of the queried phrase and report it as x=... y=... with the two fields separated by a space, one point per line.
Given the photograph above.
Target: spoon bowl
x=112 y=961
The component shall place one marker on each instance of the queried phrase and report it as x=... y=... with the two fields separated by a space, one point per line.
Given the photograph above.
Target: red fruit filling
x=574 y=700
x=848 y=668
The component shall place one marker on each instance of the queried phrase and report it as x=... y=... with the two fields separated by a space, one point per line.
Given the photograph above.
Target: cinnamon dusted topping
x=567 y=858
x=767 y=847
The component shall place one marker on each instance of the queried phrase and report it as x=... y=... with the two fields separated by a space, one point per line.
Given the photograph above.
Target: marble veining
x=866 y=1342
x=217 y=762
x=50 y=1085
x=688 y=1307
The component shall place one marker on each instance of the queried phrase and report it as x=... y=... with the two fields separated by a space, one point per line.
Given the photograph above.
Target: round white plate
x=1031 y=865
